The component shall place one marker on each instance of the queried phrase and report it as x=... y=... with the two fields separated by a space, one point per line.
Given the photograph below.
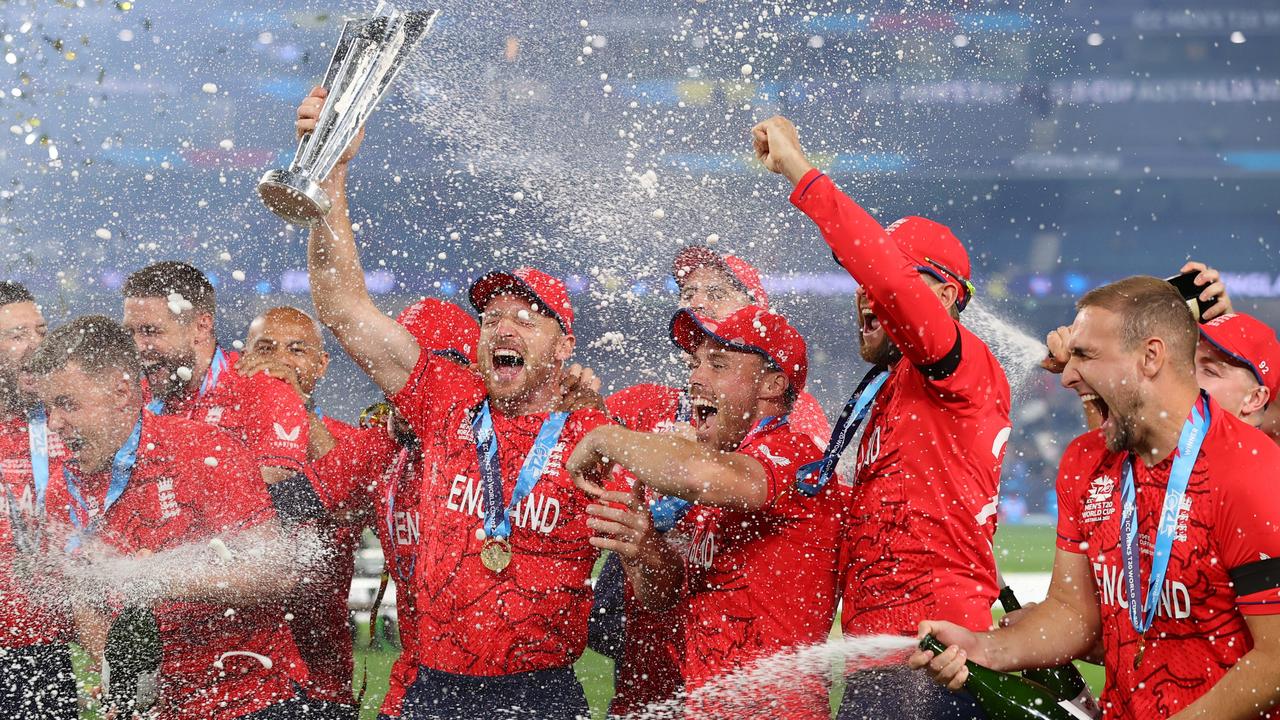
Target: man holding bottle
x=1168 y=549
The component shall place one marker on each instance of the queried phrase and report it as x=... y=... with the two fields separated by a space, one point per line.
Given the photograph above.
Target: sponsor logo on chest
x=1175 y=598
x=537 y=512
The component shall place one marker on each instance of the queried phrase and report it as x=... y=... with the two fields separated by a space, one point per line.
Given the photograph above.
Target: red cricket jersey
x=189 y=485
x=473 y=621
x=927 y=471
x=372 y=476
x=262 y=412
x=25 y=621
x=763 y=581
x=320 y=615
x=1229 y=518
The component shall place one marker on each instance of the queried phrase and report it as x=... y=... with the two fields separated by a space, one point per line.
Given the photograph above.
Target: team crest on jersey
x=166 y=498
x=214 y=415
x=1100 y=503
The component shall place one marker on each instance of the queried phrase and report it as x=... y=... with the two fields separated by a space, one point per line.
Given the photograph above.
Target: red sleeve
x=1247 y=528
x=280 y=423
x=348 y=475
x=781 y=454
x=912 y=316
x=340 y=431
x=435 y=385
x=1074 y=470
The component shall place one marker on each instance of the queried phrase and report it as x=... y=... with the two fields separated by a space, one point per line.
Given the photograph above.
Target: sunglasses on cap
x=376 y=415
x=936 y=270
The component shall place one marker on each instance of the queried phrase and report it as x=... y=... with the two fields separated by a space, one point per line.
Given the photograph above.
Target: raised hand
x=309 y=112
x=777 y=147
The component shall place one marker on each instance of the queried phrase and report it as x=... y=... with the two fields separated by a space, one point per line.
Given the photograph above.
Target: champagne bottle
x=1186 y=286
x=131 y=661
x=1009 y=697
x=1064 y=681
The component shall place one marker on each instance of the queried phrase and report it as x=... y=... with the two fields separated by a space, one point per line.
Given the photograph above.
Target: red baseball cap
x=548 y=293
x=441 y=326
x=752 y=329
x=936 y=251
x=1249 y=342
x=740 y=271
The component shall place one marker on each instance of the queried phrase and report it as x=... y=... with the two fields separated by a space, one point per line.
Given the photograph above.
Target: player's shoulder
x=1244 y=450
x=588 y=419
x=784 y=446
x=982 y=362
x=637 y=400
x=1084 y=455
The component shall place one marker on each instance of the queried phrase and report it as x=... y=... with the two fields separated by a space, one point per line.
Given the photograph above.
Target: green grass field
x=1019 y=548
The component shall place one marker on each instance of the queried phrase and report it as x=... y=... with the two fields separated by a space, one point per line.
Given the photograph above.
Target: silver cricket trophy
x=370 y=53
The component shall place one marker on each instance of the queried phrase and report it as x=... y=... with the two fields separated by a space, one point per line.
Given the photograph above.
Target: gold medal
x=1142 y=648
x=496 y=554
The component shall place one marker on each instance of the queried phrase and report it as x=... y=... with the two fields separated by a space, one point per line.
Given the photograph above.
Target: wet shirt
x=532 y=615
x=927 y=468
x=1229 y=519
x=370 y=476
x=27 y=617
x=260 y=411
x=760 y=581
x=190 y=484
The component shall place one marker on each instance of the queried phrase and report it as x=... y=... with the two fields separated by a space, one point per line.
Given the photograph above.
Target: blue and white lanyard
x=1142 y=610
x=813 y=476
x=38 y=442
x=121 y=471
x=211 y=377
x=497 y=515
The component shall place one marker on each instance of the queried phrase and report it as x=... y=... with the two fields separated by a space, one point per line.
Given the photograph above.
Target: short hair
x=94 y=342
x=165 y=278
x=1149 y=307
x=14 y=292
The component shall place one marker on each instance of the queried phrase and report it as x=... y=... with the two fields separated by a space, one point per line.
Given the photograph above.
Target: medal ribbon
x=813 y=476
x=1142 y=611
x=211 y=377
x=38 y=442
x=121 y=471
x=398 y=468
x=497 y=515
x=666 y=511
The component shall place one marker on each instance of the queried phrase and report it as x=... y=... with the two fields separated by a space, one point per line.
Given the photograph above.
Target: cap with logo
x=548 y=293
x=741 y=272
x=1249 y=342
x=936 y=251
x=752 y=329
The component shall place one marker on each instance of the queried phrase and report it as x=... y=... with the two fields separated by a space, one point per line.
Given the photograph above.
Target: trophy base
x=296 y=198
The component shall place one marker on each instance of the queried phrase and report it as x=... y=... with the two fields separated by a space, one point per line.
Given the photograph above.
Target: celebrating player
x=1166 y=538
x=377 y=473
x=760 y=565
x=36 y=679
x=502 y=567
x=286 y=343
x=646 y=648
x=169 y=310
x=140 y=484
x=927 y=468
